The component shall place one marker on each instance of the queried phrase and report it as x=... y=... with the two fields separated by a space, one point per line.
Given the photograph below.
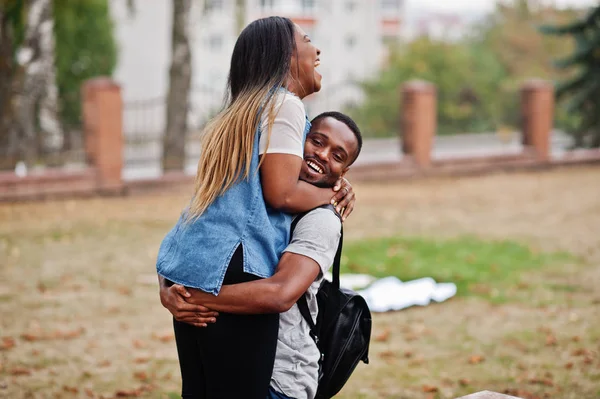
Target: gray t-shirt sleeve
x=317 y=236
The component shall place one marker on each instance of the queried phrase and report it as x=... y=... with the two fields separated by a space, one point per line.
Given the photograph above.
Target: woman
x=246 y=190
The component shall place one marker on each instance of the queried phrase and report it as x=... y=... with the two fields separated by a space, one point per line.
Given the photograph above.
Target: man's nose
x=323 y=154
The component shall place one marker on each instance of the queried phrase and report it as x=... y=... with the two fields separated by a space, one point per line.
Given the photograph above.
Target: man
x=332 y=145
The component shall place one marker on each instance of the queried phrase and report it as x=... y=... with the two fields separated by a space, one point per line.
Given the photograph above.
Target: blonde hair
x=227 y=145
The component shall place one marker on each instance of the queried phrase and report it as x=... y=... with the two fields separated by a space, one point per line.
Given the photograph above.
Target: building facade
x=352 y=36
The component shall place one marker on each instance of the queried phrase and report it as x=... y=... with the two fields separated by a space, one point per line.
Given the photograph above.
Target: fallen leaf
x=580 y=352
x=542 y=381
x=384 y=335
x=7 y=343
x=41 y=287
x=545 y=330
x=129 y=393
x=569 y=365
x=550 y=340
x=89 y=392
x=388 y=356
x=20 y=371
x=67 y=388
x=447 y=382
x=408 y=354
x=410 y=337
x=133 y=393
x=38 y=335
x=140 y=375
x=166 y=337
x=464 y=382
x=576 y=338
x=416 y=362
x=124 y=290
x=430 y=388
x=104 y=363
x=138 y=344
x=476 y=359
x=140 y=360
x=113 y=310
x=69 y=334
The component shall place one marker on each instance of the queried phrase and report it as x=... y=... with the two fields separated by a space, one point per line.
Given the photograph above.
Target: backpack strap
x=302 y=304
x=303 y=307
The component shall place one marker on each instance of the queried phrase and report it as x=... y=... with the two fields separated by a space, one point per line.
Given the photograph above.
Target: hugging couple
x=231 y=271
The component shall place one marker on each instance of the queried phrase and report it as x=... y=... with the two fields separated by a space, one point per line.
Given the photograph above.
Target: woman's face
x=307 y=79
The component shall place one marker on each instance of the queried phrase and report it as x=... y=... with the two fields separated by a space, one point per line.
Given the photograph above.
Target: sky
x=480 y=5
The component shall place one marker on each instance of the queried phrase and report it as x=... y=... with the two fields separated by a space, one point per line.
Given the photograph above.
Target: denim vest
x=197 y=253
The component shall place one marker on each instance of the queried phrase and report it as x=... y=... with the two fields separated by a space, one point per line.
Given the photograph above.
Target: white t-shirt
x=296 y=368
x=287 y=133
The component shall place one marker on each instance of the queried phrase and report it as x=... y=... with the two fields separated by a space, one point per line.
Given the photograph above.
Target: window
x=215 y=42
x=308 y=5
x=350 y=42
x=267 y=4
x=391 y=5
x=214 y=5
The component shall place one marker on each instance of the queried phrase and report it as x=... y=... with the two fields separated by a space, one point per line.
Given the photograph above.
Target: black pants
x=232 y=358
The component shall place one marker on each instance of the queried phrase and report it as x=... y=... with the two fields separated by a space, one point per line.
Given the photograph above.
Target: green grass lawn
x=492 y=269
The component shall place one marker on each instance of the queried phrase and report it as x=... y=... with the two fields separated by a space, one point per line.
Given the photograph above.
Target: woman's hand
x=174 y=299
x=344 y=199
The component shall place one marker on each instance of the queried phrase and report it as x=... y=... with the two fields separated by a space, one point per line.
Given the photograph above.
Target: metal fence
x=144 y=124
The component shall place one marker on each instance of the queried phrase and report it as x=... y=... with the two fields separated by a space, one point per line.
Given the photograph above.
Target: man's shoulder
x=322 y=216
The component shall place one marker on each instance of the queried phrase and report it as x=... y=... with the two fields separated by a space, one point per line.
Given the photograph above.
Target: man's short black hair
x=346 y=120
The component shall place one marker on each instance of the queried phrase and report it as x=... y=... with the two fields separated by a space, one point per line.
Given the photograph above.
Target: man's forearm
x=277 y=294
x=255 y=297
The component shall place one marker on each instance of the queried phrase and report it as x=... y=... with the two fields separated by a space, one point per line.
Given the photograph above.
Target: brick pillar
x=537 y=113
x=419 y=121
x=103 y=131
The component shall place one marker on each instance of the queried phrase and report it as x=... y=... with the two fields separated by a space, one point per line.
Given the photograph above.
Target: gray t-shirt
x=295 y=373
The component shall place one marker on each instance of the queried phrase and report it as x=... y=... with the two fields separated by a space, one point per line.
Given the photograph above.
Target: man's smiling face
x=330 y=149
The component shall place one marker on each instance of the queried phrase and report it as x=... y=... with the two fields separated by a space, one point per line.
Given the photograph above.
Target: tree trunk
x=32 y=68
x=180 y=76
x=8 y=142
x=52 y=135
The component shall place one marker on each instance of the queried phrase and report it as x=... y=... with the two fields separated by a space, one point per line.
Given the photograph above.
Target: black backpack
x=342 y=332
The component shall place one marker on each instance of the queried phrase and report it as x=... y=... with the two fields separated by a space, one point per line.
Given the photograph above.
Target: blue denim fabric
x=196 y=254
x=273 y=394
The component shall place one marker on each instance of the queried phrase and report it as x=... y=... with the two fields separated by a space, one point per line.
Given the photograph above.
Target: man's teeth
x=314 y=167
x=317 y=63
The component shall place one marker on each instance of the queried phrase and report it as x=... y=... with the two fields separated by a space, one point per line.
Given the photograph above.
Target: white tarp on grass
x=390 y=293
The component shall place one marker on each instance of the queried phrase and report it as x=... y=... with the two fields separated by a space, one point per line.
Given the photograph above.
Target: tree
x=10 y=33
x=511 y=33
x=467 y=80
x=583 y=89
x=180 y=76
x=47 y=49
x=36 y=83
x=85 y=48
